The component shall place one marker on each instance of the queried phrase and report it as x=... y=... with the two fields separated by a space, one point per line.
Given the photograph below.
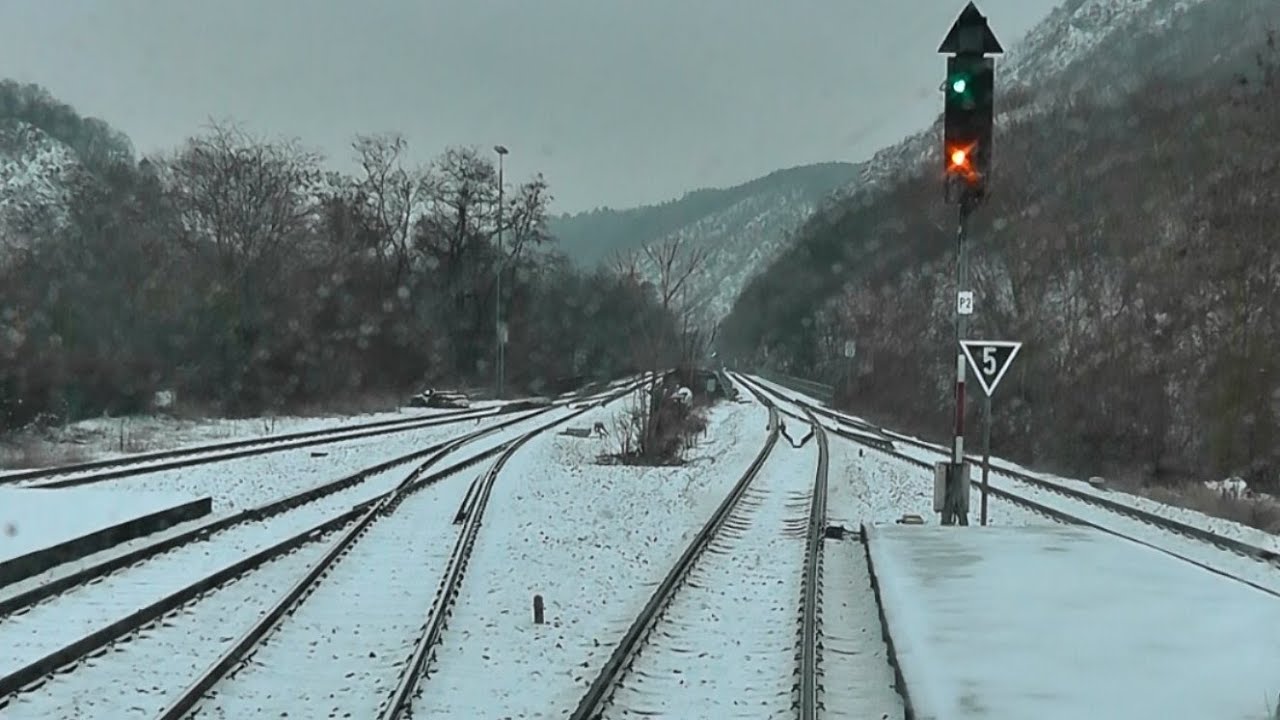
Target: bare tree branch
x=249 y=198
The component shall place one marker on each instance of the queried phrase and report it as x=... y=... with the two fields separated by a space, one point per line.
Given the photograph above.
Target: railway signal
x=968 y=115
x=968 y=118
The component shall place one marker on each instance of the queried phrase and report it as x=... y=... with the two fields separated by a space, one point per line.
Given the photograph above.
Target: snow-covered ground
x=1064 y=622
x=725 y=646
x=593 y=540
x=1251 y=571
x=1220 y=526
x=32 y=520
x=66 y=617
x=864 y=486
x=1002 y=512
x=263 y=480
x=142 y=672
x=107 y=438
x=340 y=653
x=253 y=480
x=62 y=619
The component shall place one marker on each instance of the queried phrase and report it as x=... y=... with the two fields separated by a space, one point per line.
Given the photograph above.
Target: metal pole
x=848 y=376
x=497 y=300
x=954 y=499
x=986 y=452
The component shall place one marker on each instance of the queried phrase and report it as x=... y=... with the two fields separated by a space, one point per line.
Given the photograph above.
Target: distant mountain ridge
x=597 y=235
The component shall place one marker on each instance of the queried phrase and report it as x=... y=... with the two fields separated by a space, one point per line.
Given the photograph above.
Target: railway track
x=1210 y=551
x=234 y=687
x=115 y=468
x=809 y=645
x=318 y=500
x=60 y=628
x=315 y=500
x=97 y=471
x=472 y=515
x=664 y=664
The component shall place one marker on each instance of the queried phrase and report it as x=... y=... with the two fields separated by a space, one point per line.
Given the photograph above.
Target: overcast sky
x=617 y=102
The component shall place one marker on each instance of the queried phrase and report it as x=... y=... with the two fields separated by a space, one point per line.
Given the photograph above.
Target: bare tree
x=460 y=196
x=625 y=265
x=525 y=219
x=674 y=263
x=388 y=197
x=668 y=337
x=247 y=197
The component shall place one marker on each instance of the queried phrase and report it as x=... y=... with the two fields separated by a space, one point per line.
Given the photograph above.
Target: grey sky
x=618 y=102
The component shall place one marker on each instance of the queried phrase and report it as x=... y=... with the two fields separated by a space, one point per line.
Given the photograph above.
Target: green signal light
x=959 y=85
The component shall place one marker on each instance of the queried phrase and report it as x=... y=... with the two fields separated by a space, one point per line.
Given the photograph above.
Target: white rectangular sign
x=964 y=303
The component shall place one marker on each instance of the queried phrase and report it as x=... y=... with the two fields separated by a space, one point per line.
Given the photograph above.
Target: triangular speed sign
x=990 y=359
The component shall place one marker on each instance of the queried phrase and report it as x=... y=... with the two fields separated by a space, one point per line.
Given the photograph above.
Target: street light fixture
x=499 y=331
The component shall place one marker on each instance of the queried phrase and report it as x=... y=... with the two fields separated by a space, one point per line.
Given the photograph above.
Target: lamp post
x=499 y=333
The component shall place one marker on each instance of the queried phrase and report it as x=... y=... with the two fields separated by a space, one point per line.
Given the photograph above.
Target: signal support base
x=951 y=492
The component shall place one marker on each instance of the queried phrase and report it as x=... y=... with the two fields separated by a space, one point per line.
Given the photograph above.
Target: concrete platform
x=1055 y=622
x=40 y=529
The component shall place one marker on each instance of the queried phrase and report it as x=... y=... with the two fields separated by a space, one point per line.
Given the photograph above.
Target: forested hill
x=241 y=274
x=596 y=236
x=1127 y=243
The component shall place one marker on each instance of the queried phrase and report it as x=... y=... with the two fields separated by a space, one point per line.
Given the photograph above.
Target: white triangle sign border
x=965 y=346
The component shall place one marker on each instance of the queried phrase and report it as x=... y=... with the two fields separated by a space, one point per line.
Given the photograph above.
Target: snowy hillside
x=35 y=175
x=1075 y=48
x=1091 y=192
x=744 y=236
x=1122 y=41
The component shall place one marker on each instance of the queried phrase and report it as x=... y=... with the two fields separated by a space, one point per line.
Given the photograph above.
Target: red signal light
x=960 y=163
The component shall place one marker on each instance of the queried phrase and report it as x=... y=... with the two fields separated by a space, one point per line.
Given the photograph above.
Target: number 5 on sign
x=990 y=360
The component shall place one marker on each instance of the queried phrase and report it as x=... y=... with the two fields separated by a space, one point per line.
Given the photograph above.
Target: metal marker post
x=990 y=360
x=955 y=509
x=986 y=452
x=499 y=332
x=850 y=349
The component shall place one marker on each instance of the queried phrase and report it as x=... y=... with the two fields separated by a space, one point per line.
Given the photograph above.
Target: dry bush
x=132 y=441
x=187 y=408
x=354 y=404
x=27 y=452
x=1256 y=512
x=627 y=429
x=656 y=434
x=1260 y=513
x=695 y=424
